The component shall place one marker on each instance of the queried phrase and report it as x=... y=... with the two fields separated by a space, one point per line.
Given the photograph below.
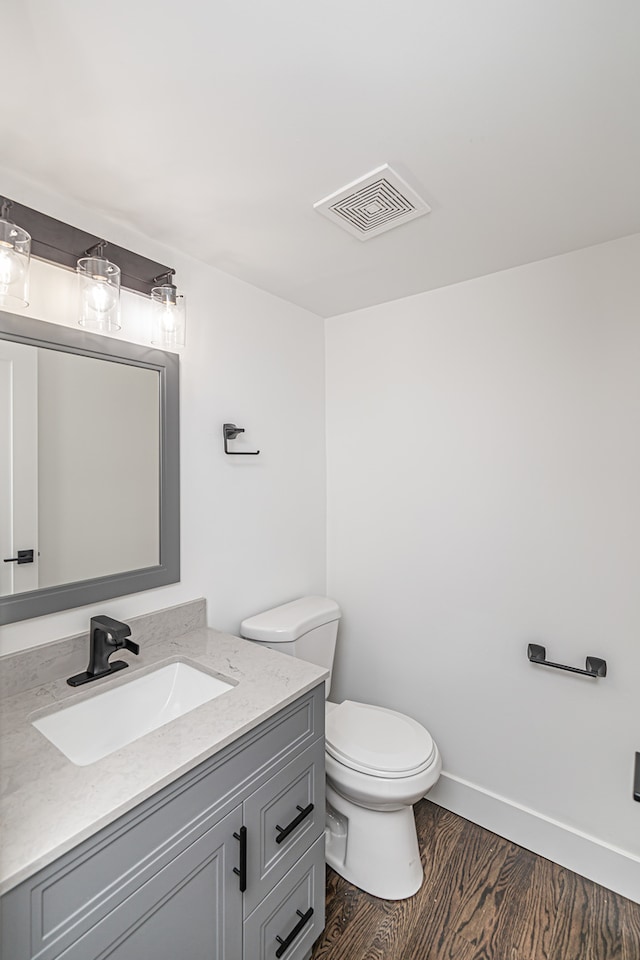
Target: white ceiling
x=214 y=126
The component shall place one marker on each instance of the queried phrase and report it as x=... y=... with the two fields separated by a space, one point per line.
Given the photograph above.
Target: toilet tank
x=306 y=628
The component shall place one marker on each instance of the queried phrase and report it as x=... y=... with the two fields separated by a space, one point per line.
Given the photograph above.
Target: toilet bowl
x=379 y=762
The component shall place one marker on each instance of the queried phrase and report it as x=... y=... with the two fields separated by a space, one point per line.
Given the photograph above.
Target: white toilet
x=378 y=762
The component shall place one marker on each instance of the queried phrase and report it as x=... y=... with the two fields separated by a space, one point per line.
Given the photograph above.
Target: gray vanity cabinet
x=163 y=881
x=191 y=909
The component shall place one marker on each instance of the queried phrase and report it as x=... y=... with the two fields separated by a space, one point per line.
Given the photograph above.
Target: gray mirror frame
x=37 y=603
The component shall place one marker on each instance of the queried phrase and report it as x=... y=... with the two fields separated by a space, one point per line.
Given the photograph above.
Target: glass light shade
x=169 y=316
x=99 y=282
x=15 y=254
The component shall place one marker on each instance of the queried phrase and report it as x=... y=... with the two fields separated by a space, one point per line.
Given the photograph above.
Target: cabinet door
x=284 y=817
x=191 y=909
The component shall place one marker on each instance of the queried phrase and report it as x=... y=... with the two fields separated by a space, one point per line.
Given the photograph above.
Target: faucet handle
x=116 y=628
x=132 y=646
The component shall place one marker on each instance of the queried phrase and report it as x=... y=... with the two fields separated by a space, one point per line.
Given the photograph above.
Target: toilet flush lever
x=230 y=432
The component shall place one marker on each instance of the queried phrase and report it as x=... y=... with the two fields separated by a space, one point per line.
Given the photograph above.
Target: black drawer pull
x=286 y=943
x=242 y=871
x=285 y=831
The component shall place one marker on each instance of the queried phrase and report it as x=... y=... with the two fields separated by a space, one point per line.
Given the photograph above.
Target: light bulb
x=99 y=281
x=100 y=296
x=168 y=316
x=12 y=265
x=15 y=251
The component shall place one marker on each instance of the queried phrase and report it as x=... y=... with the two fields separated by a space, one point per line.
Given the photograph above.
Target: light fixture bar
x=63 y=244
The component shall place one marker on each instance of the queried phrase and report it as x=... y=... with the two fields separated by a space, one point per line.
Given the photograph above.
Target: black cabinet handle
x=241 y=872
x=285 y=831
x=636 y=779
x=24 y=556
x=286 y=943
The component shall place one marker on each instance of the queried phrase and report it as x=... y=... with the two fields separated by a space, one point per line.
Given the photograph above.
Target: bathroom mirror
x=89 y=468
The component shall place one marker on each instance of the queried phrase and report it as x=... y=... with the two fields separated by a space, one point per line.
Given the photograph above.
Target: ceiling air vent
x=373 y=204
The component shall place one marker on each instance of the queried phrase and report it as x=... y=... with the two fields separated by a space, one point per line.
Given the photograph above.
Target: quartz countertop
x=48 y=804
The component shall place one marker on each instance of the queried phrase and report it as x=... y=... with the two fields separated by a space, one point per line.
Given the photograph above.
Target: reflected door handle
x=24 y=556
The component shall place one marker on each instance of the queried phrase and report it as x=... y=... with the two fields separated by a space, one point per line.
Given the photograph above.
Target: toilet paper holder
x=230 y=432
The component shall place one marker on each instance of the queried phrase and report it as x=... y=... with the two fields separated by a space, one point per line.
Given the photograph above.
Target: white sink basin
x=90 y=730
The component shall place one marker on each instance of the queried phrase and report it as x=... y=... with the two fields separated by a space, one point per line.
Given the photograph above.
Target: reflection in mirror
x=91 y=439
x=88 y=468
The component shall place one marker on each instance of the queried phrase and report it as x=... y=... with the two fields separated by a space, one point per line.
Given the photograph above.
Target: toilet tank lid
x=286 y=623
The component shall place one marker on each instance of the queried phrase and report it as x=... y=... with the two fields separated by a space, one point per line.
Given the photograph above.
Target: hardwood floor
x=483 y=898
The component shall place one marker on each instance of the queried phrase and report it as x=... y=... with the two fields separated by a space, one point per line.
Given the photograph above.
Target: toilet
x=378 y=762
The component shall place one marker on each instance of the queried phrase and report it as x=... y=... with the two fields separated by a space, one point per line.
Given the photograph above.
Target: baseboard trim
x=601 y=862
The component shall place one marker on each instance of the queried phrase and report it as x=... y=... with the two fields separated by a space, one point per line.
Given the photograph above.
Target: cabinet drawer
x=286 y=816
x=283 y=926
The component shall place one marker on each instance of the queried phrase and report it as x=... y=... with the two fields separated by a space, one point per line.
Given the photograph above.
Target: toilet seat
x=377 y=741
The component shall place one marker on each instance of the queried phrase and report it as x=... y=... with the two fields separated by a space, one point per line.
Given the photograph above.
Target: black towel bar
x=595 y=666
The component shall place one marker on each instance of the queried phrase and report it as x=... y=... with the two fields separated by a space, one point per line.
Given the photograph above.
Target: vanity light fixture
x=103 y=269
x=99 y=288
x=169 y=313
x=15 y=254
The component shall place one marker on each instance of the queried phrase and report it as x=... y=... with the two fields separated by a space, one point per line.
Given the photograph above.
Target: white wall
x=483 y=492
x=253 y=529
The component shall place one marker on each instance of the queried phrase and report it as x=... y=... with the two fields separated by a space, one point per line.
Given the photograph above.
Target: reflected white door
x=18 y=465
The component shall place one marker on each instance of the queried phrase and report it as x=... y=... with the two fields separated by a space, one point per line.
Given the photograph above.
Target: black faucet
x=106 y=635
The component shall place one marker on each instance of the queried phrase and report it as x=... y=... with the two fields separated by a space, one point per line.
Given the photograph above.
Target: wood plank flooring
x=483 y=898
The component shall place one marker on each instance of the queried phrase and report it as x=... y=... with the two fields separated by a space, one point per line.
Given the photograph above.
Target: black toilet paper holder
x=230 y=432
